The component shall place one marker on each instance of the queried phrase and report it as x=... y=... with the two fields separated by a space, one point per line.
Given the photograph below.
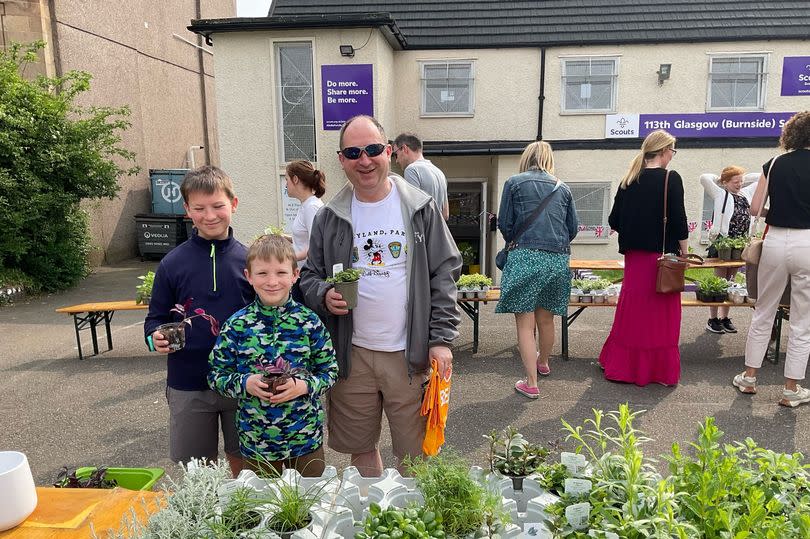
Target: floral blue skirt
x=535 y=279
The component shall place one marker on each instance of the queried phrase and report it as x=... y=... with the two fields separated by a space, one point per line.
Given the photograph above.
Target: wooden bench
x=90 y=315
x=471 y=306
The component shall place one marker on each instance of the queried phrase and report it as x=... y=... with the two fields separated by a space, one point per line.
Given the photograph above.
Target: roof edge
x=384 y=21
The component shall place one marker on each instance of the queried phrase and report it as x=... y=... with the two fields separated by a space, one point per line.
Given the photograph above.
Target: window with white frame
x=589 y=84
x=592 y=201
x=448 y=88
x=737 y=82
x=295 y=96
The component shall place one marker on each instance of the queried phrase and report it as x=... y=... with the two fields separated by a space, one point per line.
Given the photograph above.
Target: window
x=296 y=102
x=448 y=88
x=589 y=84
x=592 y=200
x=737 y=82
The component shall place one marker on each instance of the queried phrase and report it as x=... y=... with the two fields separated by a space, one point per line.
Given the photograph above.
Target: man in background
x=420 y=172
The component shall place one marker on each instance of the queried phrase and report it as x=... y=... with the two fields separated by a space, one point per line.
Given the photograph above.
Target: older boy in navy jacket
x=208 y=271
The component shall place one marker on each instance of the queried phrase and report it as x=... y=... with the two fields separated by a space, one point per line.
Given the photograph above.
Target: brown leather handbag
x=671 y=274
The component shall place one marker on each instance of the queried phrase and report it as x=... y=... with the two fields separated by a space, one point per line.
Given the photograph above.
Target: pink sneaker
x=543 y=370
x=523 y=388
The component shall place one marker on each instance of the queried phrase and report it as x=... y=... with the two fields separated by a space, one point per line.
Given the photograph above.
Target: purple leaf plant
x=183 y=311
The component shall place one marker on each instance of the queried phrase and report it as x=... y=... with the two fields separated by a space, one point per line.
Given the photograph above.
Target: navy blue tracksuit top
x=211 y=272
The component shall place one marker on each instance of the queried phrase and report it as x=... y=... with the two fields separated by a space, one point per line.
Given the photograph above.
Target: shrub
x=53 y=155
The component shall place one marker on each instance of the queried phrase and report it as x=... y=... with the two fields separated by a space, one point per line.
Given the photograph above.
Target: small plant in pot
x=241 y=513
x=598 y=288
x=465 y=286
x=737 y=246
x=143 y=292
x=480 y=284
x=511 y=455
x=723 y=245
x=712 y=289
x=346 y=283
x=175 y=332
x=278 y=373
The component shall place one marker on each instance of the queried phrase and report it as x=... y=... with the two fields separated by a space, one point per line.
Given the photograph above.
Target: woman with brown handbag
x=785 y=257
x=643 y=343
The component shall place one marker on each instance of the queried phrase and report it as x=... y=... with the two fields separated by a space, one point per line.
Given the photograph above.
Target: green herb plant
x=467 y=252
x=144 y=290
x=475 y=280
x=512 y=455
x=629 y=497
x=463 y=504
x=740 y=490
x=712 y=285
x=346 y=276
x=411 y=522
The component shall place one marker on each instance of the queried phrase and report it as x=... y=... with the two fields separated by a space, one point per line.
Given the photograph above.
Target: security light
x=663 y=73
x=347 y=50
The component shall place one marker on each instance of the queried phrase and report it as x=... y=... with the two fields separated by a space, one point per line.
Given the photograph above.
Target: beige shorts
x=378 y=381
x=195 y=418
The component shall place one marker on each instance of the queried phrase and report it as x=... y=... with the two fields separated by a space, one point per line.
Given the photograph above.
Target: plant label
x=226 y=490
x=537 y=530
x=575 y=462
x=337 y=268
x=599 y=533
x=577 y=487
x=578 y=515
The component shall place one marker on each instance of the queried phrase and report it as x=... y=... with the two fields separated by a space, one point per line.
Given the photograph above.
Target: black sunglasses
x=353 y=152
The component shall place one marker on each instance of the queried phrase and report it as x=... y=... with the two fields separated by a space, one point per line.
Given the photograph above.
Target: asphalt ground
x=111 y=410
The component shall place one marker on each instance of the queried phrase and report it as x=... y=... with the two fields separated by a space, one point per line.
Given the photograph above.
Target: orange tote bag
x=435 y=406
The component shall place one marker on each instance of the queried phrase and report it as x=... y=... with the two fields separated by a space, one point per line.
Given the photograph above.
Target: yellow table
x=68 y=512
x=90 y=315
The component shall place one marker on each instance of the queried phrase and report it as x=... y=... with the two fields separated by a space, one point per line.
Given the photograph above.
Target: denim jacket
x=556 y=226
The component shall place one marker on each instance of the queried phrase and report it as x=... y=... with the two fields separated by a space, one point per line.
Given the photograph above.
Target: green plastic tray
x=128 y=478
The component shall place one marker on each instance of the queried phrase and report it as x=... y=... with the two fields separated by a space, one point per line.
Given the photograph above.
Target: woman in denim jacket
x=536 y=281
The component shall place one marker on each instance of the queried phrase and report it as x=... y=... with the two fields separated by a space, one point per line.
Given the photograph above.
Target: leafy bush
x=712 y=285
x=475 y=280
x=53 y=154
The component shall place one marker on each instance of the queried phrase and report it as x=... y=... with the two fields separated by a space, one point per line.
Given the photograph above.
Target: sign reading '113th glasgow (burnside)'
x=699 y=125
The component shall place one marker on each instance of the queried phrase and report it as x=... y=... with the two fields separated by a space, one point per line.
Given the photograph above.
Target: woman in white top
x=307 y=184
x=732 y=219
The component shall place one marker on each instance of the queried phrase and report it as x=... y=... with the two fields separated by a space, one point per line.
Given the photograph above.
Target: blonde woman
x=536 y=282
x=643 y=343
x=732 y=219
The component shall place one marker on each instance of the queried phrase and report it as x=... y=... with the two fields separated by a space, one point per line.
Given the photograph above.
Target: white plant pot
x=18 y=495
x=586 y=298
x=598 y=298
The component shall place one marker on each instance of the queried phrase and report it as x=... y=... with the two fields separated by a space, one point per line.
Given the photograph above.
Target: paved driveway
x=111 y=410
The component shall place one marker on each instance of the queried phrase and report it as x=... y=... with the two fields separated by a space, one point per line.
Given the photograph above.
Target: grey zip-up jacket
x=433 y=266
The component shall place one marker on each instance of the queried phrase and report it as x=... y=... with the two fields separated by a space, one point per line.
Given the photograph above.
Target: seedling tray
x=128 y=478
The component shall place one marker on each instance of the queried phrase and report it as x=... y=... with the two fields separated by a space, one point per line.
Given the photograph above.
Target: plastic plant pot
x=175 y=333
x=349 y=292
x=128 y=478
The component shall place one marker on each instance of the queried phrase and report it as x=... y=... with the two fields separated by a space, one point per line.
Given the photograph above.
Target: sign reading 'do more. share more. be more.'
x=701 y=125
x=346 y=91
x=796 y=75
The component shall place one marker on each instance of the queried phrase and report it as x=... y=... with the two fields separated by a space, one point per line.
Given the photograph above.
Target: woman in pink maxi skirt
x=642 y=347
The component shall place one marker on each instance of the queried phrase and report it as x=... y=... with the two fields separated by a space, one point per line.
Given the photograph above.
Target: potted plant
x=278 y=373
x=712 y=289
x=175 y=332
x=346 y=283
x=612 y=293
x=277 y=231
x=467 y=252
x=480 y=284
x=737 y=246
x=464 y=505
x=407 y=523
x=723 y=245
x=464 y=286
x=576 y=290
x=597 y=288
x=511 y=455
x=240 y=513
x=143 y=292
x=585 y=285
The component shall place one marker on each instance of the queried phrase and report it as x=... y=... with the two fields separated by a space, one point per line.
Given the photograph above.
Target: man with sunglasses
x=406 y=313
x=419 y=171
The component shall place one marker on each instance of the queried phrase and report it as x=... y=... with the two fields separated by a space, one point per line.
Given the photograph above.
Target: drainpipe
x=201 y=62
x=542 y=96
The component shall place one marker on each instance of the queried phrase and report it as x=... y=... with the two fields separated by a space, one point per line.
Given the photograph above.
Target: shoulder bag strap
x=666 y=188
x=753 y=226
x=511 y=244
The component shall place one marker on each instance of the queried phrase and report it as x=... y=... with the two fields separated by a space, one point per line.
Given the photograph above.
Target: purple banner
x=347 y=90
x=796 y=75
x=715 y=124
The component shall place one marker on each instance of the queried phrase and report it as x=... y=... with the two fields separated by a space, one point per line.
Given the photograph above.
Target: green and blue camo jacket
x=258 y=334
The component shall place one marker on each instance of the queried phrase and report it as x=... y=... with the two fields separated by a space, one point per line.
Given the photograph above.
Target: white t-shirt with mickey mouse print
x=380 y=250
